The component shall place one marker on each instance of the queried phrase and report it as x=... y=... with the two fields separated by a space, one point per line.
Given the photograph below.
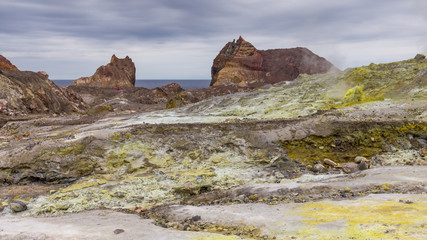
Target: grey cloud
x=103 y=23
x=151 y=19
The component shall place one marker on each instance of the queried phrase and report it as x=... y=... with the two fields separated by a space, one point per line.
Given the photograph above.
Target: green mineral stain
x=350 y=142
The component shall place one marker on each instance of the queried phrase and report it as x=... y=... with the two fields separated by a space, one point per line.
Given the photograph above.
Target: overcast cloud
x=178 y=39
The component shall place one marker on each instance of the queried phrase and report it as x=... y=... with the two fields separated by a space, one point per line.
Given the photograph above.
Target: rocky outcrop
x=196 y=95
x=119 y=73
x=6 y=64
x=24 y=92
x=240 y=63
x=138 y=99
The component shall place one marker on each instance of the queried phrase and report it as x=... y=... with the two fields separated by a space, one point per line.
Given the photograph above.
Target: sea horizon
x=153 y=83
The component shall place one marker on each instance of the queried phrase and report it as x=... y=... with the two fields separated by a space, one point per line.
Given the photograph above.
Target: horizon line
x=152 y=79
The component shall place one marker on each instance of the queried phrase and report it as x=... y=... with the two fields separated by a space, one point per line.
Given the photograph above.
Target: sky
x=178 y=39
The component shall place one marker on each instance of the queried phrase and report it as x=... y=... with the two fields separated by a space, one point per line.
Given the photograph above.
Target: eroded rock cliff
x=6 y=64
x=240 y=63
x=25 y=92
x=119 y=73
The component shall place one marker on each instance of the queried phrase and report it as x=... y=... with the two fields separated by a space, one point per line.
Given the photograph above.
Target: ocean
x=151 y=83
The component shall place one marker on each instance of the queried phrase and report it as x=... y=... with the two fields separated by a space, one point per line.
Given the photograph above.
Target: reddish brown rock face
x=6 y=64
x=240 y=64
x=119 y=73
x=24 y=92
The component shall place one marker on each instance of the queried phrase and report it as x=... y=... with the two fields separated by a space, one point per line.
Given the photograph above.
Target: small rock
x=63 y=205
x=1 y=208
x=364 y=165
x=423 y=151
x=240 y=197
x=139 y=209
x=420 y=56
x=118 y=231
x=318 y=168
x=406 y=201
x=253 y=197
x=420 y=162
x=330 y=162
x=359 y=159
x=17 y=206
x=337 y=142
x=350 y=167
x=279 y=175
x=196 y=218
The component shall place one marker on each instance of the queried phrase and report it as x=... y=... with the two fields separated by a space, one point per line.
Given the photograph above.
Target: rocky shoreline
x=335 y=155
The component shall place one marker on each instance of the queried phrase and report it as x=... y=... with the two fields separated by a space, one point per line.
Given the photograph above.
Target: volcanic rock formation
x=281 y=162
x=6 y=64
x=24 y=92
x=119 y=73
x=240 y=63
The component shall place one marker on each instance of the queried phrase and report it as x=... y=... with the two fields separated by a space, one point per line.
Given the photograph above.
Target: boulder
x=119 y=73
x=420 y=56
x=167 y=91
x=6 y=64
x=240 y=63
x=135 y=99
x=17 y=206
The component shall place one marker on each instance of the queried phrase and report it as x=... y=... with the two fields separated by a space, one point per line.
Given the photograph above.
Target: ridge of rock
x=240 y=63
x=5 y=64
x=25 y=92
x=119 y=73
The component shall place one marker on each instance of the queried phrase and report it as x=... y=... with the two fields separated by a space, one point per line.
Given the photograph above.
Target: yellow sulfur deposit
x=364 y=219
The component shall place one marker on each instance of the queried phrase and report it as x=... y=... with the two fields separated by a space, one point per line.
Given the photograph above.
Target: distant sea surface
x=149 y=83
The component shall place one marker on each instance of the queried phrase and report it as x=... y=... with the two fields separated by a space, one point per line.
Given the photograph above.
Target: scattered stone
x=1 y=208
x=318 y=168
x=17 y=206
x=240 y=197
x=118 y=231
x=359 y=159
x=423 y=151
x=253 y=197
x=139 y=209
x=196 y=218
x=364 y=165
x=63 y=205
x=350 y=167
x=337 y=142
x=406 y=201
x=420 y=56
x=420 y=162
x=330 y=163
